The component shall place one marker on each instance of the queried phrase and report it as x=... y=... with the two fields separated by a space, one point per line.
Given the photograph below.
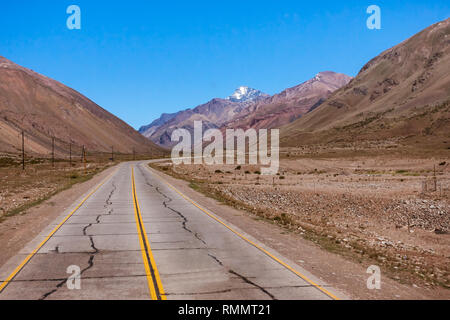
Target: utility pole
x=53 y=151
x=84 y=160
x=23 y=151
x=134 y=154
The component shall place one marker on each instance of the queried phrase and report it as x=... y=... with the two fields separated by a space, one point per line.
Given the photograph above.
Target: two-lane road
x=137 y=237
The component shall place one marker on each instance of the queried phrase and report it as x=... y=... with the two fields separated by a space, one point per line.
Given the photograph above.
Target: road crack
x=185 y=221
x=110 y=210
x=166 y=205
x=245 y=279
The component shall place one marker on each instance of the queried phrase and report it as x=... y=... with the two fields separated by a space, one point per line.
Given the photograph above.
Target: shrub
x=74 y=176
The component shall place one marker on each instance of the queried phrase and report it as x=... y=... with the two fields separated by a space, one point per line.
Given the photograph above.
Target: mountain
x=243 y=94
x=289 y=105
x=148 y=130
x=401 y=94
x=45 y=108
x=213 y=114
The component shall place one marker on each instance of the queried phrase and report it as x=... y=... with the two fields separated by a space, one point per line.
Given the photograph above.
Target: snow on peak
x=244 y=93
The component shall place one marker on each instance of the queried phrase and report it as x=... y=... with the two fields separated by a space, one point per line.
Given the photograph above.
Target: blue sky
x=138 y=59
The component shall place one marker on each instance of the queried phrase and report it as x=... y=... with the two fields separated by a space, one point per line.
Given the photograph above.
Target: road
x=137 y=237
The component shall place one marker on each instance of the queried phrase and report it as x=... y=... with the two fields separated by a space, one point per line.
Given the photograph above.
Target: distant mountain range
x=402 y=94
x=289 y=105
x=213 y=114
x=45 y=108
x=248 y=107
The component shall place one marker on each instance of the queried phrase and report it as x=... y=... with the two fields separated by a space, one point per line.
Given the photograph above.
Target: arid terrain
x=385 y=210
x=46 y=109
x=23 y=189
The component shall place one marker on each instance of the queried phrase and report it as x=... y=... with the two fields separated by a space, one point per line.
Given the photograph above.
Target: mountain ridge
x=291 y=103
x=387 y=96
x=45 y=108
x=249 y=108
x=213 y=113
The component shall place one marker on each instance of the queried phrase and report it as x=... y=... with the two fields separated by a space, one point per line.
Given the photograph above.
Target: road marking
x=248 y=240
x=153 y=278
x=31 y=255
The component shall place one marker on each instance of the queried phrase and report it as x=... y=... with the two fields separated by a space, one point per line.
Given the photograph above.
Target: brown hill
x=291 y=104
x=401 y=94
x=45 y=108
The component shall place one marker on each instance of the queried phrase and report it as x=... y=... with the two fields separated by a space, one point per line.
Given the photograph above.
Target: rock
x=440 y=231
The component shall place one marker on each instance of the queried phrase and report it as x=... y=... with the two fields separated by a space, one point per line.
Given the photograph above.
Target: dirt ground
x=32 y=212
x=385 y=211
x=21 y=189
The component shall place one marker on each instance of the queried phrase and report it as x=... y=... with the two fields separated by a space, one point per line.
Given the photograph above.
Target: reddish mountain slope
x=45 y=108
x=402 y=94
x=291 y=104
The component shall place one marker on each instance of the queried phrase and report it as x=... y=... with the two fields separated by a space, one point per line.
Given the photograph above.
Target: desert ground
x=382 y=209
x=22 y=189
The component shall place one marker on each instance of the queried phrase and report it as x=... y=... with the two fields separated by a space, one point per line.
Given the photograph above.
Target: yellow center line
x=248 y=240
x=151 y=271
x=31 y=255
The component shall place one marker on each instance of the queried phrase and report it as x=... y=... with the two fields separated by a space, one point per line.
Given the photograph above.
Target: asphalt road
x=137 y=237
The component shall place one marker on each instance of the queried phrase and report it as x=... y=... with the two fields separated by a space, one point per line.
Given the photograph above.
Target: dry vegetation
x=387 y=210
x=23 y=189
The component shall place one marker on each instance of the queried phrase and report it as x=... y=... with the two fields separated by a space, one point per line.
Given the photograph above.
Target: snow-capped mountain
x=213 y=114
x=291 y=104
x=243 y=94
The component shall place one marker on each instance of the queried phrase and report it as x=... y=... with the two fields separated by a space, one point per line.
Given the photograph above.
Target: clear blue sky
x=138 y=59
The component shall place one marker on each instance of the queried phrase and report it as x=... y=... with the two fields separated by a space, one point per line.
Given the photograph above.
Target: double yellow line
x=302 y=276
x=153 y=278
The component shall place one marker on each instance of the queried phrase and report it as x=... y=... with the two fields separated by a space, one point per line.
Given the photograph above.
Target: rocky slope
x=401 y=94
x=45 y=108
